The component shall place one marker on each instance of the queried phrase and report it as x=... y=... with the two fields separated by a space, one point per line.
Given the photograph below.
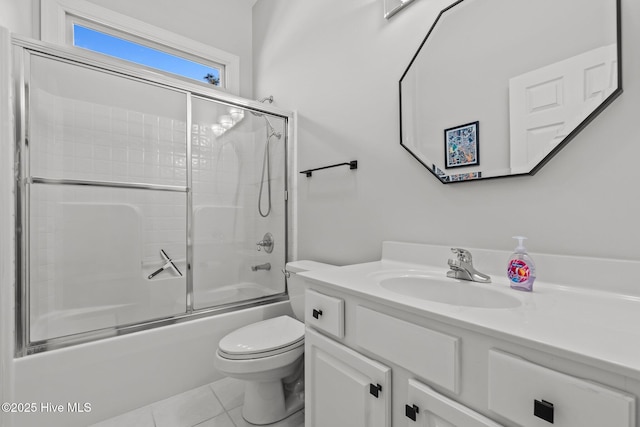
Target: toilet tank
x=296 y=285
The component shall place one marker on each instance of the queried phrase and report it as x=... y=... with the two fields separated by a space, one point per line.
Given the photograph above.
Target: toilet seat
x=263 y=339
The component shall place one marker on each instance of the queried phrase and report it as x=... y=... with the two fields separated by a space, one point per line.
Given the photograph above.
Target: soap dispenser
x=521 y=269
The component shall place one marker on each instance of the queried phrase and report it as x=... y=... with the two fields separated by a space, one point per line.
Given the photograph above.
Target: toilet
x=269 y=356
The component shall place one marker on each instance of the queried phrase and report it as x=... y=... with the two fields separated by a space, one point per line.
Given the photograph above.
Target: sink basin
x=444 y=290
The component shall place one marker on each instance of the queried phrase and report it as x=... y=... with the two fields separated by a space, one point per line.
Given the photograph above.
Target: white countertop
x=594 y=326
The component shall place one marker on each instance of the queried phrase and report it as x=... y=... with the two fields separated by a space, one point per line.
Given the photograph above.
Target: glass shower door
x=106 y=200
x=239 y=207
x=142 y=201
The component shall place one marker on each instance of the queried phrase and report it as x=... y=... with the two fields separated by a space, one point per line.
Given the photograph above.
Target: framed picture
x=462 y=145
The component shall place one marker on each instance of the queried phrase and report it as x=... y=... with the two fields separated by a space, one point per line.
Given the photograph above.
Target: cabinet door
x=343 y=387
x=427 y=408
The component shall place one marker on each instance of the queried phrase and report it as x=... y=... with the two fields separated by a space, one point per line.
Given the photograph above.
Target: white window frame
x=58 y=17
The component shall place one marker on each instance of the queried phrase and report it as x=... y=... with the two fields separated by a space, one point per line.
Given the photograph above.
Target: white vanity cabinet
x=344 y=388
x=347 y=388
x=429 y=373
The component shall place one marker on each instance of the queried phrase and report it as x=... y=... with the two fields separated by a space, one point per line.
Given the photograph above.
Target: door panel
x=339 y=386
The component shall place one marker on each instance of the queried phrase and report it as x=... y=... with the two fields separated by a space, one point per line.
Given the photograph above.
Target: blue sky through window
x=106 y=44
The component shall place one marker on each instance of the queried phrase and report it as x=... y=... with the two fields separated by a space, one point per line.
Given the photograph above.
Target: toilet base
x=266 y=402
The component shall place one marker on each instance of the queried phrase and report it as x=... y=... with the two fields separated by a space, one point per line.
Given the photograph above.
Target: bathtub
x=66 y=322
x=122 y=373
x=231 y=293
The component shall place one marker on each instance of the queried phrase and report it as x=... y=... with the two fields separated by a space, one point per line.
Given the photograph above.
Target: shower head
x=271 y=131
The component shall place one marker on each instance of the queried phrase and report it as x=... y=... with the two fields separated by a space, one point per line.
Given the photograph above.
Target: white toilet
x=268 y=356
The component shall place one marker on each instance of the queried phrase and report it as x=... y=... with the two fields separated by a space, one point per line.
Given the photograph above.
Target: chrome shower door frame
x=23 y=50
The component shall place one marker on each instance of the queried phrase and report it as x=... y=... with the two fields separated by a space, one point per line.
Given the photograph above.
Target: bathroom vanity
x=396 y=342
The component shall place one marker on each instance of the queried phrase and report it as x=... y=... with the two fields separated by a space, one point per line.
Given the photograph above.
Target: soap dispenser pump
x=521 y=270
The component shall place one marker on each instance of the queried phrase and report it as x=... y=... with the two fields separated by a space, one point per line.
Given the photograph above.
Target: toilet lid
x=262 y=339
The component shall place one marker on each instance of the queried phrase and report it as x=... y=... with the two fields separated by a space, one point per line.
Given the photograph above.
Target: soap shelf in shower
x=353 y=164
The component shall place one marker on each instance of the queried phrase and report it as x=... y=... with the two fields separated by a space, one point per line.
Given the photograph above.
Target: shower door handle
x=168 y=264
x=160 y=270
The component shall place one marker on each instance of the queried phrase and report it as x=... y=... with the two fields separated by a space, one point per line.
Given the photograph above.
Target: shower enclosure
x=142 y=200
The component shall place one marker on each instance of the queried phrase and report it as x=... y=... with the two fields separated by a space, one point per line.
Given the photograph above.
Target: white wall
x=18 y=16
x=338 y=64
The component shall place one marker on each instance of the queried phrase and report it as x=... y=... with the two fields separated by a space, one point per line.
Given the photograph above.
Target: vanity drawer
x=534 y=396
x=325 y=313
x=432 y=355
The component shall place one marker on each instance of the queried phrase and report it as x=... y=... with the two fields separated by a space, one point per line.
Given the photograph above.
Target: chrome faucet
x=266 y=243
x=266 y=266
x=462 y=267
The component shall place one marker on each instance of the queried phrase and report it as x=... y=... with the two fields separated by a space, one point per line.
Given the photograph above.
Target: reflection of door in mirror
x=546 y=104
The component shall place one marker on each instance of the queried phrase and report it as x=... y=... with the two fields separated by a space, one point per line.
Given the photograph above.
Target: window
x=89 y=26
x=107 y=44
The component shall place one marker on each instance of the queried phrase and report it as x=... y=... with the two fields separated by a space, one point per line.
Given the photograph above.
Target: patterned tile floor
x=218 y=404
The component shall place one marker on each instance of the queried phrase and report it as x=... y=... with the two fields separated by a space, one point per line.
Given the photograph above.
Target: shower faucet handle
x=266 y=243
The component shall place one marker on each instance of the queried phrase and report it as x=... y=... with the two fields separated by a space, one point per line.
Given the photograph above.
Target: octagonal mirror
x=498 y=87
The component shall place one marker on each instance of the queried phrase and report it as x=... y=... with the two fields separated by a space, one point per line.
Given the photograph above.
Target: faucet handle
x=462 y=254
x=266 y=243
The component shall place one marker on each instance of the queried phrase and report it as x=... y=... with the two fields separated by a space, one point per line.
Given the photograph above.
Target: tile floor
x=218 y=404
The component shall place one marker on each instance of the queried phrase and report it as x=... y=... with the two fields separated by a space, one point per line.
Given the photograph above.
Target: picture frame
x=465 y=176
x=462 y=145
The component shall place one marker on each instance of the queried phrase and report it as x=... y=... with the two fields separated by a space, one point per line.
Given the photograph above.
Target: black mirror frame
x=617 y=92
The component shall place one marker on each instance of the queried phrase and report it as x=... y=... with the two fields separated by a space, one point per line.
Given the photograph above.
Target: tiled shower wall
x=82 y=140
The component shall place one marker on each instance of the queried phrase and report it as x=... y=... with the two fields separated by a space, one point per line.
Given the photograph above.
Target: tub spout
x=265 y=266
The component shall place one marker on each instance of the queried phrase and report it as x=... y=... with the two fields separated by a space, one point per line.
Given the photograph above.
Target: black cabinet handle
x=316 y=313
x=543 y=409
x=375 y=389
x=411 y=411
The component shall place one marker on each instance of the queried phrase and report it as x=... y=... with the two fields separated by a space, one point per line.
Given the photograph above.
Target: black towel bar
x=353 y=164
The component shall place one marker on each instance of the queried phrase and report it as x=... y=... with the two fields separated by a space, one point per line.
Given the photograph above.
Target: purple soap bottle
x=521 y=270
